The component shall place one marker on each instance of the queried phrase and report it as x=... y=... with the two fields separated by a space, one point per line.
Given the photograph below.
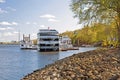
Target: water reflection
x=16 y=63
x=45 y=58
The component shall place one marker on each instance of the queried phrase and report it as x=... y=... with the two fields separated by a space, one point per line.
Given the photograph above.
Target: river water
x=16 y=63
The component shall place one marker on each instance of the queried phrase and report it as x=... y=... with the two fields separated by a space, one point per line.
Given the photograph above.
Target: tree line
x=97 y=34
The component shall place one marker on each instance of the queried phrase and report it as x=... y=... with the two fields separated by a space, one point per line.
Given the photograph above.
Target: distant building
x=13 y=42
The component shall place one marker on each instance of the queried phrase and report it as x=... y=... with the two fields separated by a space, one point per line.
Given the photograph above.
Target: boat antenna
x=48 y=28
x=19 y=37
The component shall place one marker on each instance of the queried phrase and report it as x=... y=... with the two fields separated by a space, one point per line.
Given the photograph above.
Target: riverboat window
x=56 y=39
x=47 y=34
x=49 y=45
x=41 y=44
x=48 y=39
x=56 y=44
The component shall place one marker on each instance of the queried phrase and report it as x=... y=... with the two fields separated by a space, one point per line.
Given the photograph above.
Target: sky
x=28 y=16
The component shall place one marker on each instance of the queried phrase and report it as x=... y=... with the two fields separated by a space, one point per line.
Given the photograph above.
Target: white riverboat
x=26 y=43
x=66 y=44
x=48 y=40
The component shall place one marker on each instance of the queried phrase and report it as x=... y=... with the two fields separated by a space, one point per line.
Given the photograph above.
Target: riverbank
x=101 y=64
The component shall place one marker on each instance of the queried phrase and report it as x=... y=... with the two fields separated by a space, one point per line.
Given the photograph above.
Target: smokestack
x=23 y=36
x=48 y=28
x=29 y=37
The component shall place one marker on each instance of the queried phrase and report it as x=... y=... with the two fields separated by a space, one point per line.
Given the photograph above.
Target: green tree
x=94 y=11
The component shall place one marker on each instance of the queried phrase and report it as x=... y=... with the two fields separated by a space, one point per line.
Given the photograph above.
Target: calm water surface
x=16 y=63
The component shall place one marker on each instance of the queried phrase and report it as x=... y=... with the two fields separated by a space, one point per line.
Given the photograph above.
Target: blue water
x=16 y=63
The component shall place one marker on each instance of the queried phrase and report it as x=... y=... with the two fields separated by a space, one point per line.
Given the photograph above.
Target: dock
x=73 y=48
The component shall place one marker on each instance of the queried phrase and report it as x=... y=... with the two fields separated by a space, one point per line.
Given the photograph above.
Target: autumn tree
x=35 y=41
x=98 y=11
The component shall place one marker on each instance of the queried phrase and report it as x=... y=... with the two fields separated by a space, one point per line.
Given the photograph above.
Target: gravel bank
x=101 y=64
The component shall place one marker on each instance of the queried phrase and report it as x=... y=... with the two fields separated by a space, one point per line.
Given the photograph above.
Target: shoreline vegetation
x=98 y=35
x=99 y=64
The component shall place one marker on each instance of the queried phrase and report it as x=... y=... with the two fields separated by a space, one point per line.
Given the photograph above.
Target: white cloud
x=2 y=11
x=7 y=10
x=27 y=22
x=2 y=29
x=42 y=26
x=47 y=16
x=7 y=28
x=2 y=1
x=50 y=18
x=14 y=23
x=4 y=23
x=8 y=34
x=0 y=35
x=15 y=32
x=11 y=9
x=34 y=23
x=53 y=20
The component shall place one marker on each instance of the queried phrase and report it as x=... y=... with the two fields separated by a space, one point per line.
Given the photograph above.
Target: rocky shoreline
x=100 y=64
